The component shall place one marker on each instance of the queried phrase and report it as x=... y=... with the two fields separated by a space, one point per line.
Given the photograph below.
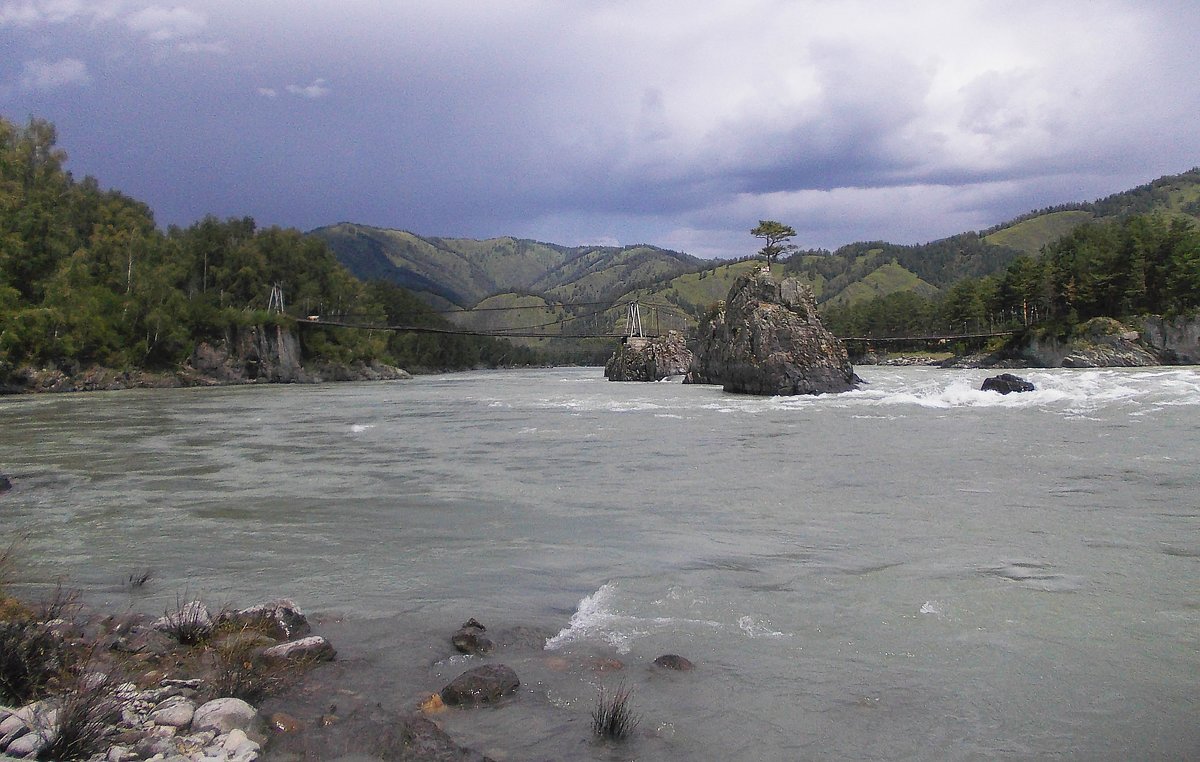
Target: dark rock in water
x=1006 y=383
x=674 y=661
x=470 y=638
x=481 y=685
x=5 y=484
x=642 y=359
x=376 y=735
x=768 y=339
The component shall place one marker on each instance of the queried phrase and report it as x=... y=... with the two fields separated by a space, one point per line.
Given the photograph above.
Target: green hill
x=1029 y=236
x=886 y=279
x=1176 y=196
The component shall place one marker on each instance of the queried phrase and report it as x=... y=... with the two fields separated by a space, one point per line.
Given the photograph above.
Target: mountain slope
x=465 y=271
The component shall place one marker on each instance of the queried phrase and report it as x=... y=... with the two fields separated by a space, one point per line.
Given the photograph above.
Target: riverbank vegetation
x=88 y=279
x=1131 y=265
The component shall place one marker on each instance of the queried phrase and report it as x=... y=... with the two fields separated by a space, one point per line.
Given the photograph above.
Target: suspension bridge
x=637 y=324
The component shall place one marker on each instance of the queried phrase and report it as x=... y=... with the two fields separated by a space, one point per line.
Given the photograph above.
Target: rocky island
x=768 y=339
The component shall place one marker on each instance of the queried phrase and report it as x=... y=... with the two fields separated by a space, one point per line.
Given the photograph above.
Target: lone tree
x=775 y=234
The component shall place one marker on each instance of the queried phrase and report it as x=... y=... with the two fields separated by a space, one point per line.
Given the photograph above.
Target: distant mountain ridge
x=461 y=272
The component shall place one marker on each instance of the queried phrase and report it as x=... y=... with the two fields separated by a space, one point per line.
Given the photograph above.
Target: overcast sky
x=677 y=123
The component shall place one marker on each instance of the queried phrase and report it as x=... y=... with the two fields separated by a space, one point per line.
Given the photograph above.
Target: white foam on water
x=597 y=618
x=359 y=428
x=932 y=607
x=755 y=629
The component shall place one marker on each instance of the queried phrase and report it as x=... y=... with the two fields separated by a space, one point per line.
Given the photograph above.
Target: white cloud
x=33 y=12
x=316 y=89
x=159 y=24
x=40 y=74
x=268 y=92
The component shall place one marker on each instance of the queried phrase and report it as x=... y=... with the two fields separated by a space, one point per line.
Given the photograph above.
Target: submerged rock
x=768 y=339
x=653 y=359
x=675 y=662
x=481 y=685
x=1006 y=383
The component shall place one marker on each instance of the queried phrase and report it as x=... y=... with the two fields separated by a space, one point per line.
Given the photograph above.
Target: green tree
x=775 y=236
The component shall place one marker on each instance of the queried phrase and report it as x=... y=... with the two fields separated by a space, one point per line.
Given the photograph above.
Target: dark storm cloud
x=668 y=122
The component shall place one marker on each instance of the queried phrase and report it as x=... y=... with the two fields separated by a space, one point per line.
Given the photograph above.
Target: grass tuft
x=612 y=718
x=85 y=712
x=189 y=624
x=31 y=656
x=138 y=579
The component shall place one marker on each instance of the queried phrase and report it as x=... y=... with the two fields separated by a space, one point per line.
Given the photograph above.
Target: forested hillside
x=1120 y=267
x=86 y=278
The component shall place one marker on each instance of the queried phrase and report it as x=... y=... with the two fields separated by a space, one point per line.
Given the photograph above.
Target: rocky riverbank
x=250 y=355
x=83 y=685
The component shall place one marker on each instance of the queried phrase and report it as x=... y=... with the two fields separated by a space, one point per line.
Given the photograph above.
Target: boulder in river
x=769 y=340
x=481 y=685
x=5 y=484
x=675 y=662
x=649 y=359
x=469 y=639
x=1006 y=383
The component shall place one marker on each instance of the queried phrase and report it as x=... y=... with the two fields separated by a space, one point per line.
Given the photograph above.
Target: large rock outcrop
x=641 y=359
x=1098 y=343
x=768 y=339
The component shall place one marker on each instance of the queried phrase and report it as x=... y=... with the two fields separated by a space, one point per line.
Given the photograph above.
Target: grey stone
x=27 y=745
x=312 y=648
x=281 y=619
x=174 y=712
x=224 y=715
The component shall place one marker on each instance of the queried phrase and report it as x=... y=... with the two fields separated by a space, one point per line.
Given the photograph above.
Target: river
x=915 y=570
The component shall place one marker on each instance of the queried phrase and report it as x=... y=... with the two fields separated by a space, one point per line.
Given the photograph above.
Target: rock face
x=1006 y=383
x=769 y=340
x=1175 y=341
x=268 y=353
x=641 y=359
x=1098 y=343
